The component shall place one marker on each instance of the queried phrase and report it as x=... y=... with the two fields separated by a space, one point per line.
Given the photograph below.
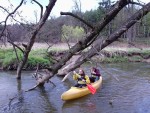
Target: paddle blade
x=91 y=89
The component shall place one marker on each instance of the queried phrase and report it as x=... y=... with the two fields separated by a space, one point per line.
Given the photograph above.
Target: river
x=125 y=89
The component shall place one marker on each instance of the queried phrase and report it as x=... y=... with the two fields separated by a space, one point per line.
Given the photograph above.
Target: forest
x=62 y=28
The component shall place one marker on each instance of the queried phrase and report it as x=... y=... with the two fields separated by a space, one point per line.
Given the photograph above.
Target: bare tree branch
x=10 y=14
x=40 y=7
x=32 y=88
x=77 y=17
x=67 y=41
x=4 y=9
x=16 y=46
x=33 y=35
x=137 y=3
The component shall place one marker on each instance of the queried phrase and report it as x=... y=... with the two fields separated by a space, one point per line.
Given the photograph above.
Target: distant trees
x=16 y=32
x=53 y=30
x=139 y=30
x=93 y=16
x=72 y=34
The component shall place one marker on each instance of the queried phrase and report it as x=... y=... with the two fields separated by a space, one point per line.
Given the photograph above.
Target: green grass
x=39 y=56
x=8 y=57
x=115 y=59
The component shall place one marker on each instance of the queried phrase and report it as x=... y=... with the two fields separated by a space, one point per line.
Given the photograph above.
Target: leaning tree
x=91 y=38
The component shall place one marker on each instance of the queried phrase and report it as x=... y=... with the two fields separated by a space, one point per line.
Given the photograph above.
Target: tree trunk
x=33 y=36
x=19 y=69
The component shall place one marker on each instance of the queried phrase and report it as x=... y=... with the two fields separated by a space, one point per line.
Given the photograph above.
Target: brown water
x=131 y=94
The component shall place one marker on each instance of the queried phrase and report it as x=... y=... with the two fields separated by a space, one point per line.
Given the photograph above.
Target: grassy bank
x=8 y=59
x=113 y=53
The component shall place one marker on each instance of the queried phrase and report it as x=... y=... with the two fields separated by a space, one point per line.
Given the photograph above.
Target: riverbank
x=124 y=52
x=44 y=55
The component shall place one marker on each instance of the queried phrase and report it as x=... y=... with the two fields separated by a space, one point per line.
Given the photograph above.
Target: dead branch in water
x=37 y=75
x=32 y=88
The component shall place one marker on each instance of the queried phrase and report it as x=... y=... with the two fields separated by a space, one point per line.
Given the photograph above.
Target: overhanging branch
x=113 y=37
x=41 y=14
x=77 y=17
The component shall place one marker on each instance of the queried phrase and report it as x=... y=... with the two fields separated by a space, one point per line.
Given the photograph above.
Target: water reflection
x=47 y=105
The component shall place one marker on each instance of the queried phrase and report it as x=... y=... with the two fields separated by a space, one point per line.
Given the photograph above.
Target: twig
x=67 y=41
x=49 y=46
x=66 y=77
x=16 y=46
x=40 y=7
x=10 y=14
x=32 y=88
x=52 y=83
x=137 y=3
x=36 y=72
x=40 y=77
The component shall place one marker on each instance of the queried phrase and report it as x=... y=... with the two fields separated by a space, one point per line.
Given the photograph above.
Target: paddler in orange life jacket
x=81 y=78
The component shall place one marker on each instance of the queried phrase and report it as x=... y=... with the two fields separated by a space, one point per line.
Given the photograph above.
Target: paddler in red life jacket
x=81 y=78
x=95 y=74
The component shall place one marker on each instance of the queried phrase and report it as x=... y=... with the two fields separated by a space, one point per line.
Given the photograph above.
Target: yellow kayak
x=75 y=92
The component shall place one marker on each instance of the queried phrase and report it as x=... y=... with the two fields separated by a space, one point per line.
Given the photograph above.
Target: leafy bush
x=34 y=60
x=35 y=57
x=9 y=59
x=71 y=33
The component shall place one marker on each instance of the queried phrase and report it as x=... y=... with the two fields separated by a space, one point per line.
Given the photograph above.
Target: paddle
x=90 y=87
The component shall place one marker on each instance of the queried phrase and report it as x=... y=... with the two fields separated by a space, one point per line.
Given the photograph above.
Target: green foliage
x=136 y=58
x=115 y=59
x=8 y=58
x=148 y=19
x=71 y=33
x=39 y=52
x=93 y=16
x=34 y=60
x=2 y=55
x=38 y=57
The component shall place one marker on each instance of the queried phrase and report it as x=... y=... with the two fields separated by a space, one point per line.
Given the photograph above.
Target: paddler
x=81 y=78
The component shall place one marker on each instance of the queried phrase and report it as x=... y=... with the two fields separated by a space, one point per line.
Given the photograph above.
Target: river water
x=125 y=89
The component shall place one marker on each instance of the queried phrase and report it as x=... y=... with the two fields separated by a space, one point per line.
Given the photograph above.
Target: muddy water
x=126 y=89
